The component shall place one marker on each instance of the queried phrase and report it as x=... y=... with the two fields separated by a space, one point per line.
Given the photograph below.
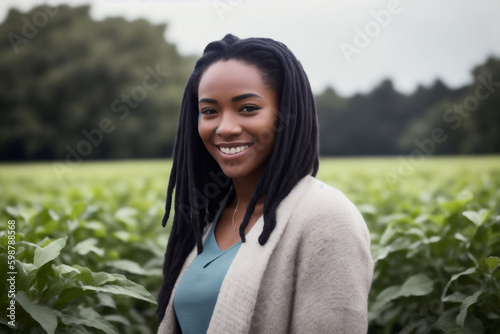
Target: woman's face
x=238 y=118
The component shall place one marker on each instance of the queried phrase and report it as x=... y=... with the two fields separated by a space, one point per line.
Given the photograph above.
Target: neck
x=244 y=189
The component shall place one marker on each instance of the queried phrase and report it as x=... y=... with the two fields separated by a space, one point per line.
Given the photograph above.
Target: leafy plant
x=89 y=250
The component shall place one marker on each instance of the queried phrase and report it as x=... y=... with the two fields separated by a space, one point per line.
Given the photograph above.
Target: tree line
x=75 y=88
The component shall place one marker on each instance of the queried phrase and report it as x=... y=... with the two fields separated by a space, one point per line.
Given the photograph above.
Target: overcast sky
x=350 y=45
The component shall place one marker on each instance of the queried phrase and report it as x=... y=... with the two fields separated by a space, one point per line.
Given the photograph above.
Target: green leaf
x=367 y=209
x=478 y=218
x=28 y=267
x=461 y=237
x=98 y=228
x=86 y=246
x=383 y=301
x=65 y=269
x=40 y=313
x=388 y=294
x=127 y=215
x=492 y=262
x=455 y=205
x=49 y=252
x=112 y=283
x=106 y=300
x=135 y=291
x=465 y=195
x=395 y=217
x=446 y=323
x=72 y=224
x=89 y=318
x=456 y=297
x=122 y=235
x=398 y=244
x=133 y=268
x=421 y=219
x=53 y=215
x=454 y=277
x=117 y=318
x=389 y=233
x=465 y=306
x=12 y=211
x=418 y=285
x=432 y=240
x=416 y=231
x=69 y=295
x=28 y=213
x=77 y=210
x=119 y=285
x=85 y=275
x=101 y=278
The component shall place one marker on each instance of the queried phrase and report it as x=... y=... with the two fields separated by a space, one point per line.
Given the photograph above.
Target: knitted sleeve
x=334 y=269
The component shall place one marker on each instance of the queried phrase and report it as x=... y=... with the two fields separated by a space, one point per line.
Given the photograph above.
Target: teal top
x=196 y=294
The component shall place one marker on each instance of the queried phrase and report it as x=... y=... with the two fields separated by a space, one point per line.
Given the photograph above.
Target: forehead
x=230 y=75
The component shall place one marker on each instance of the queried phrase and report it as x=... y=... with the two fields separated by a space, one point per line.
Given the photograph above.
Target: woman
x=257 y=245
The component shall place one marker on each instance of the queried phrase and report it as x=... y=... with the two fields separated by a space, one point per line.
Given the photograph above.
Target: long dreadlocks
x=194 y=172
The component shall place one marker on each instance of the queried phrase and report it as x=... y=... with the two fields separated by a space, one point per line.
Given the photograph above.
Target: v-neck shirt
x=196 y=294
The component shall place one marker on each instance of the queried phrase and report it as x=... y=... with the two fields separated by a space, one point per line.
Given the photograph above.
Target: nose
x=229 y=124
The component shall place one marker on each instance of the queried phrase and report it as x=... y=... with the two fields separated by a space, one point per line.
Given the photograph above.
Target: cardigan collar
x=238 y=294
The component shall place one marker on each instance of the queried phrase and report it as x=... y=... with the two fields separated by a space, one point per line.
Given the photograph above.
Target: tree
x=72 y=86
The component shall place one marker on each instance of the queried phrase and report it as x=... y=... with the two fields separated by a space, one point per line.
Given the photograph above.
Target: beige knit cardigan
x=312 y=276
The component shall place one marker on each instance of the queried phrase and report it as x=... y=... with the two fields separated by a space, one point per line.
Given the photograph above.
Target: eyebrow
x=234 y=99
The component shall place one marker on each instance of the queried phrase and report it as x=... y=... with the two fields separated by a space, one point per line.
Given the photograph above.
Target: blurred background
x=86 y=80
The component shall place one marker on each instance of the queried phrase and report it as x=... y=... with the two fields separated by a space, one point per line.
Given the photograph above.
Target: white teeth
x=233 y=150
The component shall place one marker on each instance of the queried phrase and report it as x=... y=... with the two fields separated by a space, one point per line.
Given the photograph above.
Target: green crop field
x=86 y=243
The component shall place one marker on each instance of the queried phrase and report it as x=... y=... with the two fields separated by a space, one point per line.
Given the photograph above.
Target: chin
x=231 y=173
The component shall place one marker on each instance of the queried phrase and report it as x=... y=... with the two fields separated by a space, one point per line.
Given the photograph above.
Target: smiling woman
x=233 y=119
x=269 y=249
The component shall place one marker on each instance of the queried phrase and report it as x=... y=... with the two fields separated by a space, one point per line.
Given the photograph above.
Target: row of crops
x=88 y=243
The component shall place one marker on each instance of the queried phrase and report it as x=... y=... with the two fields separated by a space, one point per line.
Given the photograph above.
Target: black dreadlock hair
x=294 y=156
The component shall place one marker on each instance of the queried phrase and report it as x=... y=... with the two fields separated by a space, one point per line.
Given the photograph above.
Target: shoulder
x=317 y=193
x=318 y=200
x=321 y=210
x=331 y=245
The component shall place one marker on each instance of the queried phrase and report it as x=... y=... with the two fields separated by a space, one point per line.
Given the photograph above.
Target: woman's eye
x=207 y=111
x=249 y=108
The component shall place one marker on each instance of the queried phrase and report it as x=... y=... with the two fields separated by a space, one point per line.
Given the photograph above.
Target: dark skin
x=224 y=233
x=238 y=118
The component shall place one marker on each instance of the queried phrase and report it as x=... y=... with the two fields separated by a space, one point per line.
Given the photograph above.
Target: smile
x=233 y=150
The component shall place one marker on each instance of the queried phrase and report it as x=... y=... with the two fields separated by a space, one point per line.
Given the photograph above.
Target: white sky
x=425 y=40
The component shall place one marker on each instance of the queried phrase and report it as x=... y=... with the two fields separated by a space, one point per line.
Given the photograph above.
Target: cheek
x=267 y=136
x=268 y=130
x=203 y=132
